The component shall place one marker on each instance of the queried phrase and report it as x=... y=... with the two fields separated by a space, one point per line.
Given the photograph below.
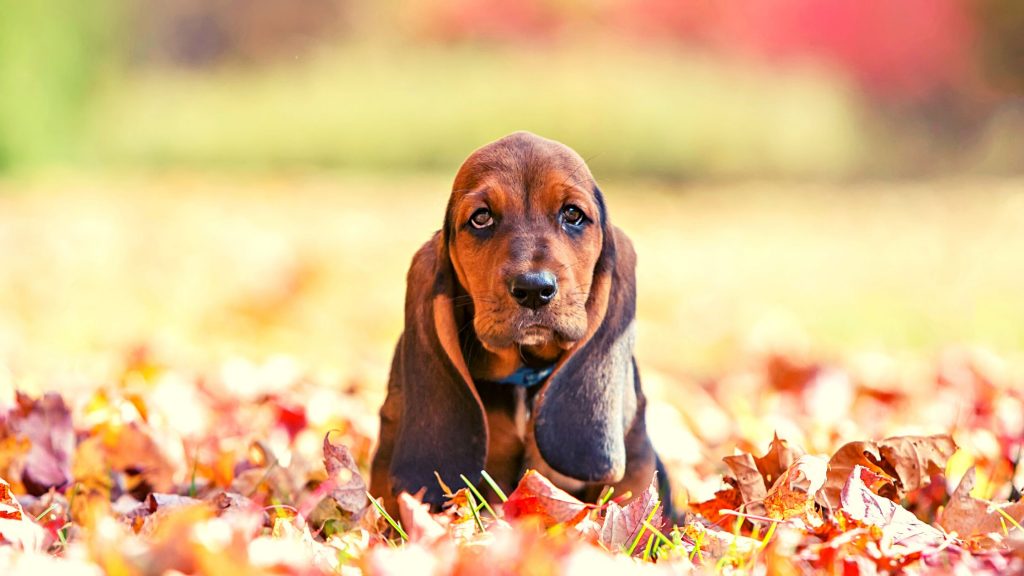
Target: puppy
x=517 y=351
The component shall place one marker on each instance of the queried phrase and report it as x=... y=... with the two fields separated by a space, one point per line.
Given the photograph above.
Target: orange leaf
x=792 y=496
x=9 y=506
x=725 y=499
x=537 y=496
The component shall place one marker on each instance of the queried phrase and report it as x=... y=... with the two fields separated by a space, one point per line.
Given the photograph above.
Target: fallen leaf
x=725 y=499
x=537 y=496
x=46 y=422
x=793 y=494
x=914 y=459
x=715 y=544
x=10 y=509
x=348 y=489
x=419 y=524
x=779 y=458
x=754 y=476
x=622 y=525
x=905 y=462
x=156 y=505
x=905 y=533
x=749 y=481
x=979 y=522
x=23 y=534
x=133 y=450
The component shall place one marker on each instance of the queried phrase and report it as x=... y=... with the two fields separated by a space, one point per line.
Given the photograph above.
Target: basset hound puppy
x=517 y=351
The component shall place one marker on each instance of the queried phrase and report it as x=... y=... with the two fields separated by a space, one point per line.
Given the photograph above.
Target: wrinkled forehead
x=522 y=164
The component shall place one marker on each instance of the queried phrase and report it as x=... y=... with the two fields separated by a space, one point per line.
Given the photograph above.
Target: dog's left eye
x=572 y=215
x=481 y=219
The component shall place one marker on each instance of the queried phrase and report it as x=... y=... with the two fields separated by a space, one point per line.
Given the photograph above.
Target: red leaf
x=292 y=418
x=537 y=496
x=10 y=509
x=725 y=499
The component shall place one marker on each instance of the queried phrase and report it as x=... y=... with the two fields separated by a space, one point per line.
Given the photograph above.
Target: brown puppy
x=518 y=344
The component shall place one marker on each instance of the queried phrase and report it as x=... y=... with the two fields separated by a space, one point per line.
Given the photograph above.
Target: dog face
x=524 y=227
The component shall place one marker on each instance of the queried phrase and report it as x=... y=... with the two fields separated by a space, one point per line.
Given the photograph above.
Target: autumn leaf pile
x=259 y=468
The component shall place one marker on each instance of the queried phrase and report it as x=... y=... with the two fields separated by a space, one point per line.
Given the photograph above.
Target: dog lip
x=535 y=334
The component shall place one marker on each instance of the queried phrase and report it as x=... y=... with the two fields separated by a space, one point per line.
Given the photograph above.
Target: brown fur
x=445 y=413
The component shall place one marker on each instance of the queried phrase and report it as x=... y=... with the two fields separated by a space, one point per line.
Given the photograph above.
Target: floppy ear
x=442 y=426
x=589 y=402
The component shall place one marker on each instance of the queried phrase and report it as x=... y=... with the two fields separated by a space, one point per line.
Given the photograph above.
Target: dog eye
x=572 y=215
x=481 y=219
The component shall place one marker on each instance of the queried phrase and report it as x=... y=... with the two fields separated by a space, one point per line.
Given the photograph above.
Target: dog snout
x=534 y=289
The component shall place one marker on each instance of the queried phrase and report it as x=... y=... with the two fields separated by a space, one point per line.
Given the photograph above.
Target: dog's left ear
x=589 y=402
x=442 y=428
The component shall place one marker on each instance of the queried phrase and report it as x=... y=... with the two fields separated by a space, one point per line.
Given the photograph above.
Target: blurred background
x=251 y=177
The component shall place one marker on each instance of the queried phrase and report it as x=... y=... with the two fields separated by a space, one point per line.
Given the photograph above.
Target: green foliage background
x=80 y=92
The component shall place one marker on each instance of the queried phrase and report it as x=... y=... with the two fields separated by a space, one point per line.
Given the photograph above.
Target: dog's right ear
x=441 y=427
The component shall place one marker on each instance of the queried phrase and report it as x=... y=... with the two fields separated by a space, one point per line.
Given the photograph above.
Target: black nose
x=534 y=289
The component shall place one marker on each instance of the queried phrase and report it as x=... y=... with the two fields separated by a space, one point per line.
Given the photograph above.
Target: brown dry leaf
x=755 y=475
x=348 y=487
x=749 y=480
x=779 y=458
x=793 y=495
x=537 y=496
x=841 y=466
x=908 y=462
x=622 y=524
x=915 y=459
x=979 y=522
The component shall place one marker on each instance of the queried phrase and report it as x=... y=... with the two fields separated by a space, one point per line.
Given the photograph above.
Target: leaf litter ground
x=262 y=471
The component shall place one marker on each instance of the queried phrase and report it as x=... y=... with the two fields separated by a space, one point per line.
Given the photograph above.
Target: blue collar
x=528 y=377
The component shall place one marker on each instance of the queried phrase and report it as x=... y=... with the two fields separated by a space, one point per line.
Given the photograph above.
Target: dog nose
x=534 y=289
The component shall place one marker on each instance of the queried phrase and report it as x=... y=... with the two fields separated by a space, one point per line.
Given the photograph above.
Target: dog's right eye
x=481 y=219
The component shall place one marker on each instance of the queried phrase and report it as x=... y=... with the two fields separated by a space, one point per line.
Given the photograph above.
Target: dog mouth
x=528 y=330
x=535 y=335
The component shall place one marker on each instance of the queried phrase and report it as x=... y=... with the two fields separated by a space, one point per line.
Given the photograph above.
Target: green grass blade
x=477 y=493
x=643 y=528
x=473 y=511
x=384 y=513
x=494 y=486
